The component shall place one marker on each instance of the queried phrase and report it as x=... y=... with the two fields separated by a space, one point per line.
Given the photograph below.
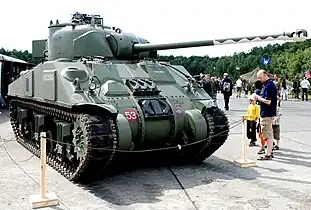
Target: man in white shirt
x=304 y=84
x=239 y=87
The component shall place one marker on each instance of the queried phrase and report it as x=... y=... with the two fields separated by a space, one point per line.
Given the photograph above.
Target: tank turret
x=86 y=35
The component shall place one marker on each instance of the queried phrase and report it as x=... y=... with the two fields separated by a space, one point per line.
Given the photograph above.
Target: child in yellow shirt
x=252 y=116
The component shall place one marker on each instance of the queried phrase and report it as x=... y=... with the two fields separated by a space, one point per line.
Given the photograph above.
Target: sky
x=160 y=21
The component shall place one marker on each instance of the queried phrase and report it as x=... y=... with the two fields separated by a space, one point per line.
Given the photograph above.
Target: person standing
x=239 y=84
x=252 y=116
x=283 y=89
x=214 y=89
x=258 y=89
x=245 y=86
x=207 y=84
x=218 y=81
x=276 y=128
x=305 y=84
x=226 y=89
x=296 y=87
x=268 y=106
x=278 y=86
x=277 y=83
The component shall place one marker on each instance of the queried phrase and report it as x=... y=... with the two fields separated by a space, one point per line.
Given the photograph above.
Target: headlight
x=92 y=86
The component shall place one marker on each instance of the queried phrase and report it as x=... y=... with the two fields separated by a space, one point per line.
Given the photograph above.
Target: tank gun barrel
x=300 y=34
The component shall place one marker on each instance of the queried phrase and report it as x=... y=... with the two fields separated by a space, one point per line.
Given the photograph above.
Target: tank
x=102 y=96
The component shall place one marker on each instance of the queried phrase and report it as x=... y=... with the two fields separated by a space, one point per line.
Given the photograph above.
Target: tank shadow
x=275 y=170
x=294 y=151
x=294 y=162
x=292 y=156
x=287 y=180
x=147 y=184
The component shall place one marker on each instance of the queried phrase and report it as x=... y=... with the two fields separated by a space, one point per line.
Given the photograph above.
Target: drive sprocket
x=80 y=137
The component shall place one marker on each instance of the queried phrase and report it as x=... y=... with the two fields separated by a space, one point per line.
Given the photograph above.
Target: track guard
x=90 y=107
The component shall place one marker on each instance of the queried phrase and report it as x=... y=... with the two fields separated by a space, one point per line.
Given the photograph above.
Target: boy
x=276 y=130
x=252 y=117
x=258 y=89
x=276 y=127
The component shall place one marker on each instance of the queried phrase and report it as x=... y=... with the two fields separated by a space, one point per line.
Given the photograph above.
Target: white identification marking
x=48 y=77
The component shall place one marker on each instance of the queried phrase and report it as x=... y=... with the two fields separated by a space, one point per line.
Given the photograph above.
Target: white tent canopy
x=11 y=59
x=252 y=76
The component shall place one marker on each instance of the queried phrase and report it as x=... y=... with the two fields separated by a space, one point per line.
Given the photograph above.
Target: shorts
x=266 y=127
x=238 y=89
x=276 y=132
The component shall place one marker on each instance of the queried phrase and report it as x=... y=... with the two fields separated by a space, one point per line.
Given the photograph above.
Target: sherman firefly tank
x=101 y=93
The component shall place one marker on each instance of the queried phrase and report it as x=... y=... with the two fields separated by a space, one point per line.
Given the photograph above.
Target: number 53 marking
x=130 y=115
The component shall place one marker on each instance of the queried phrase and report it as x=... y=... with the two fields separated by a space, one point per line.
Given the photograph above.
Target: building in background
x=10 y=69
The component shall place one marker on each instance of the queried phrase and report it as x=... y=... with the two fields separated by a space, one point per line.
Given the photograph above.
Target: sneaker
x=266 y=157
x=261 y=151
x=252 y=144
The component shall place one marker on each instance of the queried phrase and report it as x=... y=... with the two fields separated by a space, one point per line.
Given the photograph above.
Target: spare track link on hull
x=218 y=132
x=101 y=130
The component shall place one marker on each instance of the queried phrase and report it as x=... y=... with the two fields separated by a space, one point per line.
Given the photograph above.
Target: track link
x=101 y=133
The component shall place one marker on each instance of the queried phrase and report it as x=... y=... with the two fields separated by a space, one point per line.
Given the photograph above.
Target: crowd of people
x=211 y=85
x=262 y=99
x=214 y=85
x=264 y=109
x=299 y=88
x=263 y=115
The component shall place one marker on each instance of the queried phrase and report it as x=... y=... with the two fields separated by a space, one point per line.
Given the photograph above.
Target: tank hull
x=134 y=112
x=102 y=155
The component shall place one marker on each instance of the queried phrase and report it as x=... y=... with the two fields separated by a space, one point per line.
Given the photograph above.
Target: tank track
x=101 y=130
x=218 y=126
x=218 y=131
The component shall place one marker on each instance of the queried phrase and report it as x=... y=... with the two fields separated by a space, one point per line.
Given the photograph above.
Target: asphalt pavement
x=282 y=183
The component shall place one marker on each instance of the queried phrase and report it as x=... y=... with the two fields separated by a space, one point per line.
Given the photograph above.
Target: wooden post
x=44 y=199
x=244 y=149
x=43 y=164
x=244 y=162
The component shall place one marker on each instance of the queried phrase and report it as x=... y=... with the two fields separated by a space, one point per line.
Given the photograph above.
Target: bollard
x=244 y=162
x=244 y=145
x=44 y=199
